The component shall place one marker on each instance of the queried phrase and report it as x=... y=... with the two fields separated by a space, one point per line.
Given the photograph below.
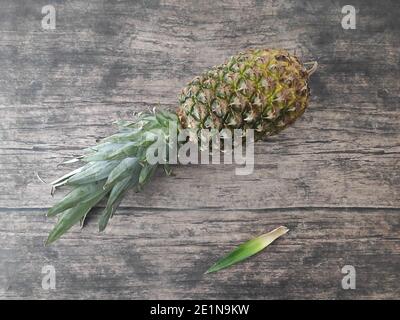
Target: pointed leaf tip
x=247 y=249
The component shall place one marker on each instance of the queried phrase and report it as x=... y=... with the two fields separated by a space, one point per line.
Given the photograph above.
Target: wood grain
x=147 y=253
x=333 y=178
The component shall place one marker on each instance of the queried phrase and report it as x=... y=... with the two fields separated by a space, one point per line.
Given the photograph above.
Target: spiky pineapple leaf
x=113 y=166
x=62 y=180
x=102 y=153
x=115 y=197
x=248 y=249
x=95 y=172
x=124 y=169
x=81 y=193
x=72 y=216
x=146 y=173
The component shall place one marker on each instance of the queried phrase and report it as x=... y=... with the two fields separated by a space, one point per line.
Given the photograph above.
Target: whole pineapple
x=265 y=90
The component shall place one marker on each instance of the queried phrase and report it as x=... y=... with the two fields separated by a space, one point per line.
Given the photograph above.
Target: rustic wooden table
x=333 y=178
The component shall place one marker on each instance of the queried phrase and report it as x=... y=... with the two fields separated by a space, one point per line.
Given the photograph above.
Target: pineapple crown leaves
x=115 y=165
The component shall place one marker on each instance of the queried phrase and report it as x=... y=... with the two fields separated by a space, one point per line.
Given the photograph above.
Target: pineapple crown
x=117 y=164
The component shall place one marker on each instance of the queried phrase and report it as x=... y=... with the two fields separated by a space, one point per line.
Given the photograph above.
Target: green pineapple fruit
x=265 y=90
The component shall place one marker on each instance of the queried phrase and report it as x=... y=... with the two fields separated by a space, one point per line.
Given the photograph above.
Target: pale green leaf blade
x=248 y=249
x=74 y=197
x=126 y=136
x=96 y=147
x=65 y=177
x=102 y=153
x=127 y=150
x=167 y=169
x=162 y=119
x=97 y=171
x=71 y=217
x=112 y=205
x=116 y=195
x=125 y=168
x=146 y=173
x=67 y=220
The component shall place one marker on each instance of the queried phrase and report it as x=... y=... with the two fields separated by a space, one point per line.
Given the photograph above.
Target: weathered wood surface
x=149 y=253
x=333 y=178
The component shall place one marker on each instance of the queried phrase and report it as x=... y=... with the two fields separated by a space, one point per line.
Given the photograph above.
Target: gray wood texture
x=333 y=178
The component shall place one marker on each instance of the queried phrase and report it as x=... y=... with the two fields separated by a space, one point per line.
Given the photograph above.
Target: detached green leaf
x=248 y=249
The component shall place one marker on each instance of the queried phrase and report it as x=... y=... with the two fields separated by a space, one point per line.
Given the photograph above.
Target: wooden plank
x=287 y=174
x=88 y=75
x=317 y=162
x=163 y=254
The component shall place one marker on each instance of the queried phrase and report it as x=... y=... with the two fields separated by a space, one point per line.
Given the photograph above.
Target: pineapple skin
x=261 y=89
